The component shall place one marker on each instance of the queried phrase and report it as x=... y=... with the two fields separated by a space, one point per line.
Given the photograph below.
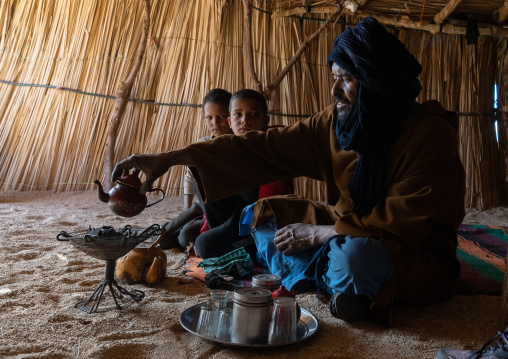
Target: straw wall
x=54 y=138
x=462 y=78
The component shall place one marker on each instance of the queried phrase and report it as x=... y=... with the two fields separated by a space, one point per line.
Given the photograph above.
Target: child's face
x=216 y=118
x=247 y=115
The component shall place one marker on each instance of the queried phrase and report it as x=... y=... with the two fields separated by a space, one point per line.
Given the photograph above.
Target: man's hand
x=299 y=237
x=152 y=165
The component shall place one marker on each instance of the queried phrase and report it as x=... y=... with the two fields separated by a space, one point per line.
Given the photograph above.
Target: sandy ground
x=41 y=279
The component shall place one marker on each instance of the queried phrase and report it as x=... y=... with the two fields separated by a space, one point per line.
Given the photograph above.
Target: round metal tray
x=306 y=327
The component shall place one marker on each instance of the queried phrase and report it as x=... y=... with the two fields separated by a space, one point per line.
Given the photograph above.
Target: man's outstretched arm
x=152 y=165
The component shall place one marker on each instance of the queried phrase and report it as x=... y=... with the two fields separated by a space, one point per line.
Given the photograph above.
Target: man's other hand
x=298 y=237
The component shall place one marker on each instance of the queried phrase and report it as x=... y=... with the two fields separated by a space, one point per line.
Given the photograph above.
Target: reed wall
x=61 y=62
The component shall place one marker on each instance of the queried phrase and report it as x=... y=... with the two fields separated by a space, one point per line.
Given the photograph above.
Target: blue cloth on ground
x=290 y=268
x=352 y=265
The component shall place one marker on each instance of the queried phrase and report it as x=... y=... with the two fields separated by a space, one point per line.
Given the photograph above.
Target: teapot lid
x=131 y=180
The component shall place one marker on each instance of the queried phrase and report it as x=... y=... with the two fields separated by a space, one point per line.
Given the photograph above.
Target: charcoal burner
x=109 y=244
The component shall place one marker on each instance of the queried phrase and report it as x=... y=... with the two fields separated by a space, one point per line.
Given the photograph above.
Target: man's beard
x=342 y=114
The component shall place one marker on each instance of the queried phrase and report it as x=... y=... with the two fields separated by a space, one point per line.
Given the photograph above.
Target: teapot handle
x=160 y=199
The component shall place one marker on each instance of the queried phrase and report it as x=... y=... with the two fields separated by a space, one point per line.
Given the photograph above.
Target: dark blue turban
x=388 y=85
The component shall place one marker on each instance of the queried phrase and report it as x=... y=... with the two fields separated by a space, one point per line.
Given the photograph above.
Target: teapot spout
x=103 y=196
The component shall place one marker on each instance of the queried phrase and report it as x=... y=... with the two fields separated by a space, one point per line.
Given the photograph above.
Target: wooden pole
x=443 y=14
x=247 y=44
x=501 y=14
x=302 y=10
x=122 y=97
x=405 y=22
x=268 y=90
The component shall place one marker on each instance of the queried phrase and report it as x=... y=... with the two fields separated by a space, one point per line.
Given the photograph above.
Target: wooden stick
x=298 y=11
x=501 y=14
x=247 y=40
x=298 y=53
x=443 y=14
x=122 y=98
x=302 y=10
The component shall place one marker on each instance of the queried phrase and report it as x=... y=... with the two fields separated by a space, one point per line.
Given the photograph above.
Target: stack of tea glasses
x=216 y=320
x=214 y=317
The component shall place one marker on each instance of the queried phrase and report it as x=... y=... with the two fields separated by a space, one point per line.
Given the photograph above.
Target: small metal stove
x=109 y=244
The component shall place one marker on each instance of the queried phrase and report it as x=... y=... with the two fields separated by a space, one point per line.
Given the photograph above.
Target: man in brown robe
x=394 y=181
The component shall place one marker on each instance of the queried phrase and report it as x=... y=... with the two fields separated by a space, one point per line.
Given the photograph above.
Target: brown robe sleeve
x=230 y=164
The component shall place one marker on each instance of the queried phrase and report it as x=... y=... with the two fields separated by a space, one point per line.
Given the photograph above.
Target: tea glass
x=221 y=296
x=207 y=322
x=283 y=325
x=225 y=325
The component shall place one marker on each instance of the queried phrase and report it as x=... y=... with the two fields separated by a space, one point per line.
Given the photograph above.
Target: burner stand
x=91 y=304
x=109 y=244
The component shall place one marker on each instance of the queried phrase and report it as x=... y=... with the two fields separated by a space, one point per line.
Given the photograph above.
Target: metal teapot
x=124 y=199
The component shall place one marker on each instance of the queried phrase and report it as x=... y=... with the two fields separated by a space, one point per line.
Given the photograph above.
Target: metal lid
x=266 y=279
x=252 y=295
x=130 y=180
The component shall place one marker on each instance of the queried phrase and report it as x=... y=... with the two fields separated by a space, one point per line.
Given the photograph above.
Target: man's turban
x=378 y=60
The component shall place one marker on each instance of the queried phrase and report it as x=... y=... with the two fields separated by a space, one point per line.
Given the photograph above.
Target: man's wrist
x=179 y=157
x=322 y=233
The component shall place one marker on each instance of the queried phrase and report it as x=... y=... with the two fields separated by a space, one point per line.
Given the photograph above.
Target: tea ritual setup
x=263 y=314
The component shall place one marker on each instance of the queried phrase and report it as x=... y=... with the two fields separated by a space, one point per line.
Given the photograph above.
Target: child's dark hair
x=217 y=96
x=248 y=93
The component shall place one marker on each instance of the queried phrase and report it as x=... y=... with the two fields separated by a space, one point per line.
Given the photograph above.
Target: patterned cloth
x=236 y=263
x=481 y=252
x=193 y=270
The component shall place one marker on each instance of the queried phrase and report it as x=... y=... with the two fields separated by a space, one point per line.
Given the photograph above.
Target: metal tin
x=251 y=315
x=271 y=282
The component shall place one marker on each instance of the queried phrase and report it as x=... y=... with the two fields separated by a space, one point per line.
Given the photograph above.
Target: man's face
x=247 y=115
x=216 y=118
x=344 y=90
